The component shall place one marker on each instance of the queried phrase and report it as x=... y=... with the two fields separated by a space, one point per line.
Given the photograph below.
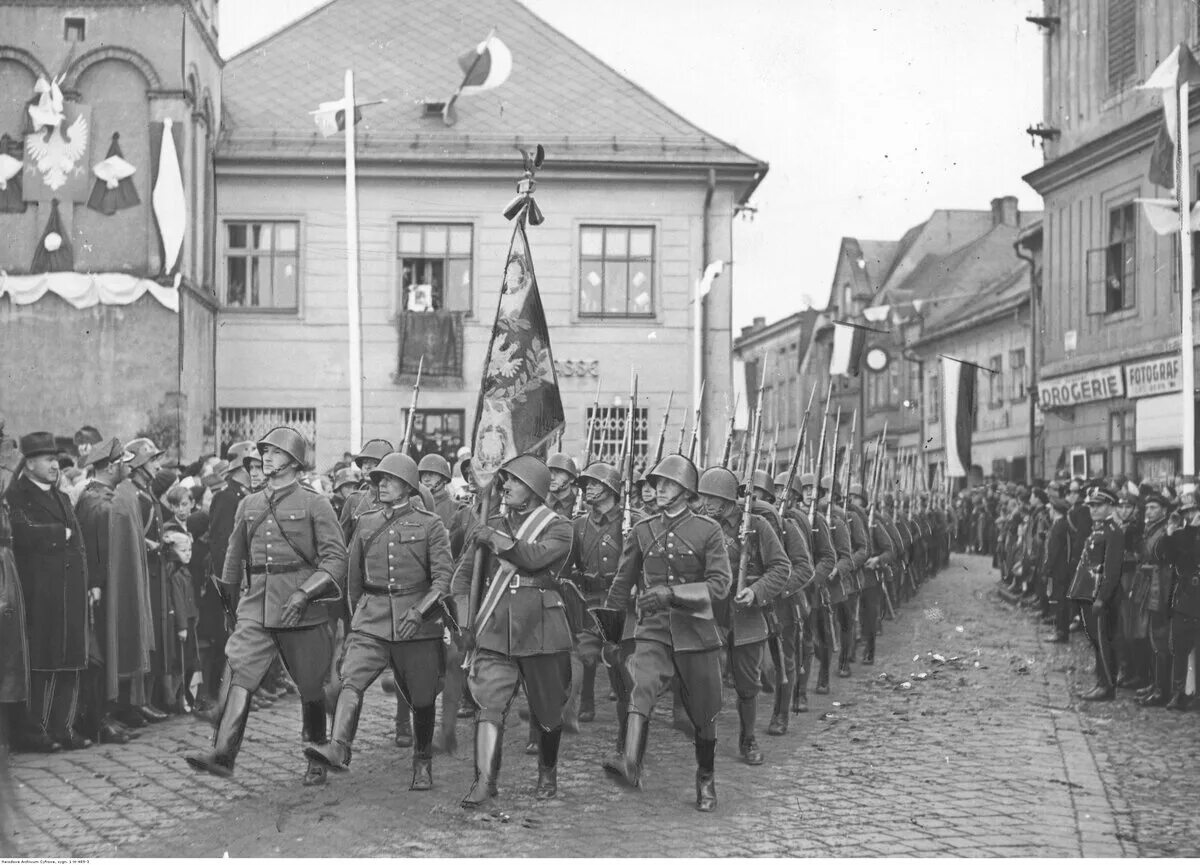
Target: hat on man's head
x=109 y=450
x=1100 y=496
x=1059 y=504
x=1157 y=498
x=88 y=435
x=38 y=444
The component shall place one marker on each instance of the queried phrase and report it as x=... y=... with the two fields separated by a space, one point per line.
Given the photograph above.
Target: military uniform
x=860 y=551
x=399 y=567
x=833 y=613
x=594 y=555
x=815 y=639
x=1098 y=578
x=1182 y=550
x=1154 y=580
x=882 y=549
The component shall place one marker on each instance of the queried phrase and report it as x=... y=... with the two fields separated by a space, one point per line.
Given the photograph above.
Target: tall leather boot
x=847 y=641
x=747 y=745
x=424 y=719
x=587 y=695
x=706 y=780
x=228 y=740
x=534 y=743
x=336 y=753
x=314 y=729
x=487 y=766
x=869 y=651
x=626 y=764
x=803 y=671
x=404 y=733
x=779 y=714
x=547 y=783
x=1160 y=691
x=822 y=671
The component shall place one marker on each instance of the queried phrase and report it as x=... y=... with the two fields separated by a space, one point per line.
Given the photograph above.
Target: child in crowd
x=177 y=553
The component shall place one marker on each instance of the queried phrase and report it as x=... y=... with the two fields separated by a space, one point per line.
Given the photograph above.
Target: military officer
x=399 y=569
x=678 y=561
x=1155 y=577
x=1095 y=586
x=563 y=473
x=1181 y=549
x=881 y=556
x=287 y=551
x=520 y=631
x=768 y=573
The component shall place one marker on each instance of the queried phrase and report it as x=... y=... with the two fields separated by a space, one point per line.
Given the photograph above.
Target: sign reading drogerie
x=1095 y=384
x=1153 y=377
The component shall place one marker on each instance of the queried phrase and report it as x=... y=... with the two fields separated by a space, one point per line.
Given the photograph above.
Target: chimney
x=759 y=322
x=1005 y=212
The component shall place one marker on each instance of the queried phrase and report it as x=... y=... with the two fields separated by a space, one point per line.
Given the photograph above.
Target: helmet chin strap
x=679 y=501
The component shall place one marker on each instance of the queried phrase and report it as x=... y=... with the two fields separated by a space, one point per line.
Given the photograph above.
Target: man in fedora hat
x=51 y=563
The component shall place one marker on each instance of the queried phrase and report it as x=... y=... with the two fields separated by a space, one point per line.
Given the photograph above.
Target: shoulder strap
x=271 y=507
x=379 y=531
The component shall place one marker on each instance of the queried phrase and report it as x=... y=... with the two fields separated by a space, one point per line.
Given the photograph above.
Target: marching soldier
x=647 y=499
x=563 y=473
x=287 y=551
x=399 y=569
x=832 y=609
x=363 y=499
x=881 y=555
x=678 y=561
x=521 y=634
x=434 y=472
x=824 y=557
x=1155 y=580
x=1181 y=549
x=1095 y=586
x=345 y=481
x=859 y=553
x=767 y=575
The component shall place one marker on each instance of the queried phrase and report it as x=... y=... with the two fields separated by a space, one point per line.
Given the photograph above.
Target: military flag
x=520 y=409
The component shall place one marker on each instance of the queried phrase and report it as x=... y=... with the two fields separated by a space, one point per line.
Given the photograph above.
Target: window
x=261 y=265
x=1018 y=385
x=616 y=271
x=1121 y=429
x=251 y=424
x=608 y=435
x=74 y=29
x=435 y=267
x=1122 y=42
x=435 y=431
x=996 y=381
x=1120 y=258
x=935 y=398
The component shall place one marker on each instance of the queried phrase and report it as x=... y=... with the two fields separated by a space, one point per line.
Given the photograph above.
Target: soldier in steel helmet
x=881 y=556
x=856 y=531
x=768 y=572
x=831 y=611
x=678 y=561
x=563 y=473
x=520 y=632
x=363 y=499
x=287 y=552
x=399 y=573
x=345 y=481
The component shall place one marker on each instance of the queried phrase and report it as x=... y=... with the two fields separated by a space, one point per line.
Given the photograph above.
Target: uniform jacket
x=1154 y=578
x=860 y=545
x=453 y=514
x=563 y=503
x=53 y=574
x=768 y=573
x=1182 y=550
x=528 y=620
x=881 y=547
x=396 y=557
x=795 y=547
x=1099 y=573
x=824 y=558
x=675 y=551
x=257 y=540
x=596 y=552
x=1079 y=526
x=841 y=585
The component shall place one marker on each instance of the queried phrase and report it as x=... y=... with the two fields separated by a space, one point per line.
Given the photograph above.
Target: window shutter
x=1122 y=42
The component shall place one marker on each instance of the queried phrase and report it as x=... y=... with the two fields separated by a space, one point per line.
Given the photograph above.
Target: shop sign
x=1153 y=377
x=1095 y=384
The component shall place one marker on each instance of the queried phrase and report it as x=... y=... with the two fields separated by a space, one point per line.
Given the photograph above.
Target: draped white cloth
x=170 y=207
x=84 y=290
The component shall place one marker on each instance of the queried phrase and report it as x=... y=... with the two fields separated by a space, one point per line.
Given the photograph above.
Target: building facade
x=637 y=201
x=107 y=313
x=1109 y=385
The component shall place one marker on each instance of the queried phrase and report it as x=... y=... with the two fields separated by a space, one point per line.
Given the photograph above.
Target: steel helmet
x=719 y=482
x=808 y=479
x=761 y=481
x=348 y=475
x=239 y=452
x=143 y=451
x=288 y=440
x=435 y=464
x=678 y=468
x=604 y=473
x=563 y=463
x=530 y=471
x=857 y=490
x=399 y=466
x=830 y=485
x=375 y=449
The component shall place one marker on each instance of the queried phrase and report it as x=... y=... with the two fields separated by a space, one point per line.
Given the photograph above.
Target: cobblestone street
x=964 y=739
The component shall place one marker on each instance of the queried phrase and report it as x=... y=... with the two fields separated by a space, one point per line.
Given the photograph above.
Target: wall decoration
x=11 y=199
x=54 y=252
x=113 y=190
x=85 y=290
x=170 y=206
x=56 y=146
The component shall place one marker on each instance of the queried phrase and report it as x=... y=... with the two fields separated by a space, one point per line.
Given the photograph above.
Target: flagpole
x=1183 y=191
x=352 y=299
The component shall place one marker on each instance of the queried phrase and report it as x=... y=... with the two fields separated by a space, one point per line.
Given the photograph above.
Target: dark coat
x=51 y=564
x=14 y=662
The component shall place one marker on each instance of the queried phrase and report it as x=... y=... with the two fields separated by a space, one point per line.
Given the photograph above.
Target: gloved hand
x=745 y=597
x=653 y=599
x=293 y=610
x=410 y=623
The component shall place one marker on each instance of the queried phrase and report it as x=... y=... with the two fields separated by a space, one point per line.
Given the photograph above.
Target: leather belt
x=522 y=581
x=286 y=568
x=397 y=590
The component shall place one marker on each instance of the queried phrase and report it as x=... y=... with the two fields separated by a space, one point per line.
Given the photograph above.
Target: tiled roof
x=405 y=51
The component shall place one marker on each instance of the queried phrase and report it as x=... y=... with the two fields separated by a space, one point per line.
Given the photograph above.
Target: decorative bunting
x=113 y=190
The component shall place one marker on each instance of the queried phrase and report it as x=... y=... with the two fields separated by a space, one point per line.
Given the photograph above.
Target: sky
x=871 y=114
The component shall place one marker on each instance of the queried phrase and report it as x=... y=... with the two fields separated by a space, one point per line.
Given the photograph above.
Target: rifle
x=627 y=466
x=662 y=433
x=590 y=438
x=795 y=463
x=412 y=409
x=748 y=481
x=876 y=482
x=837 y=428
x=773 y=459
x=727 y=454
x=826 y=601
x=691 y=455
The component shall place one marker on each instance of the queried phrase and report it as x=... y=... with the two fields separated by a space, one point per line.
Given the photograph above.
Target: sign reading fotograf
x=1095 y=384
x=1153 y=377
